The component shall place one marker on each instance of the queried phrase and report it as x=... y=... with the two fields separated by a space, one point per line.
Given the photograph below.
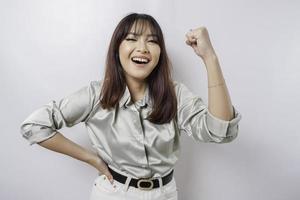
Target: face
x=139 y=54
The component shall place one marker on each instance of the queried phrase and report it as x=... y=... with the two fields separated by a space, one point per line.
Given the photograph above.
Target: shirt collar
x=126 y=99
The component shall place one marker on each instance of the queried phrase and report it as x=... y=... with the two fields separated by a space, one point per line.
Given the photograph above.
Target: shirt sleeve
x=67 y=112
x=196 y=121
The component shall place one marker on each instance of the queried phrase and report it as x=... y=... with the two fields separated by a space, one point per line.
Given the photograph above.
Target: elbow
x=35 y=134
x=231 y=135
x=228 y=139
x=26 y=131
x=223 y=135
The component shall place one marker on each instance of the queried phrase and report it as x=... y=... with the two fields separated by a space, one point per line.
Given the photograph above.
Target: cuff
x=35 y=134
x=219 y=127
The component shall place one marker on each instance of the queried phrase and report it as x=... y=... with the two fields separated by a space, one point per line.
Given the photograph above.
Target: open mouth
x=139 y=60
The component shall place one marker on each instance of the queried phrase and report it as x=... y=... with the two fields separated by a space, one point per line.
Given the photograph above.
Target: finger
x=104 y=170
x=188 y=42
x=109 y=176
x=190 y=35
x=191 y=38
x=191 y=43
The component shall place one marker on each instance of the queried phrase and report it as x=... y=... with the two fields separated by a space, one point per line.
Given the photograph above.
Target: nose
x=142 y=47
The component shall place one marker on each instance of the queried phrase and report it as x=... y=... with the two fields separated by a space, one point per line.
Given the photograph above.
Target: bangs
x=139 y=26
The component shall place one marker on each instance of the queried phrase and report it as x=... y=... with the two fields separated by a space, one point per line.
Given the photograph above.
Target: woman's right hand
x=101 y=166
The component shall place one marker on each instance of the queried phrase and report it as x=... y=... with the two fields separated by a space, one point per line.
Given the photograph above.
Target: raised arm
x=217 y=122
x=219 y=103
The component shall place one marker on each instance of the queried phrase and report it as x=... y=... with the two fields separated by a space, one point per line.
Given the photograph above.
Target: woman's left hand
x=199 y=40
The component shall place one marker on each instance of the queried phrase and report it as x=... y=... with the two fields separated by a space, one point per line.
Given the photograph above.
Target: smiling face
x=139 y=53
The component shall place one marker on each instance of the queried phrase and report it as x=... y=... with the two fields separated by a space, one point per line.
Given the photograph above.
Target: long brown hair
x=161 y=89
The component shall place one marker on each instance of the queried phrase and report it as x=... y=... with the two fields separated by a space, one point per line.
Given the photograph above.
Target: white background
x=49 y=49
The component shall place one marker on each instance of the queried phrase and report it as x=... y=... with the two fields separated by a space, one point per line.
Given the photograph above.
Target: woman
x=136 y=114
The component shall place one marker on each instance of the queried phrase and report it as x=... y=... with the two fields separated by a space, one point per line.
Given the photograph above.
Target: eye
x=130 y=39
x=153 y=41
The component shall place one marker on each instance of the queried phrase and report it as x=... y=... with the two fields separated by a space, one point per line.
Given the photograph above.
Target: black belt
x=142 y=183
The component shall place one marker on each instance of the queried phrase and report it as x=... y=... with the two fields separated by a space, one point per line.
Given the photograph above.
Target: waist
x=142 y=183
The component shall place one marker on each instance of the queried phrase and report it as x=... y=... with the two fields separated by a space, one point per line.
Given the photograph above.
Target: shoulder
x=179 y=88
x=176 y=85
x=96 y=84
x=95 y=88
x=183 y=94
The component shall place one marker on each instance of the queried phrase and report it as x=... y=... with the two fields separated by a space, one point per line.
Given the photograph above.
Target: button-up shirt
x=122 y=136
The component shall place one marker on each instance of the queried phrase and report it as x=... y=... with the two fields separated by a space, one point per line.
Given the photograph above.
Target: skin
x=219 y=103
x=138 y=46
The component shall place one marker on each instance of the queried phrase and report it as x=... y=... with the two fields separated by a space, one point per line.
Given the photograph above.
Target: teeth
x=144 y=60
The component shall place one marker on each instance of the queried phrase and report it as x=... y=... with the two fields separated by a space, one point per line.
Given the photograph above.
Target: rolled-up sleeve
x=196 y=121
x=67 y=112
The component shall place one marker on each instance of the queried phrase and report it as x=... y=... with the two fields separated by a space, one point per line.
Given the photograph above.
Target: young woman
x=135 y=115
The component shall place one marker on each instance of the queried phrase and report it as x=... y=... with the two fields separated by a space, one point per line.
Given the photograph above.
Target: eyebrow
x=148 y=35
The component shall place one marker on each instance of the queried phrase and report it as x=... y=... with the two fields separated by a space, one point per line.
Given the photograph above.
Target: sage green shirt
x=122 y=137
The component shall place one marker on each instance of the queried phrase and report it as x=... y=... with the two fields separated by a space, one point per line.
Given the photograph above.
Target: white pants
x=103 y=190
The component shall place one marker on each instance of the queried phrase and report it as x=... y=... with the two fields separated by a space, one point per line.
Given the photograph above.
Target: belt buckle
x=147 y=181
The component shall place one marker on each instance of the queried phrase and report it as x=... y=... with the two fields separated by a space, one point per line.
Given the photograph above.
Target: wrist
x=91 y=158
x=210 y=57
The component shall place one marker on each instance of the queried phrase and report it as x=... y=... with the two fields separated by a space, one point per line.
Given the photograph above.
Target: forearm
x=219 y=103
x=61 y=144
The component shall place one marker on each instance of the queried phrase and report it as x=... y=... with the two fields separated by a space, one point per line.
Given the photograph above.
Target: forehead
x=141 y=27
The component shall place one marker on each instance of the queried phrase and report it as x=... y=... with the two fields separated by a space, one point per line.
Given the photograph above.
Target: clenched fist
x=199 y=40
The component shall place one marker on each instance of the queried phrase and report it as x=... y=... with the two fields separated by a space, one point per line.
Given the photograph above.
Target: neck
x=136 y=89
